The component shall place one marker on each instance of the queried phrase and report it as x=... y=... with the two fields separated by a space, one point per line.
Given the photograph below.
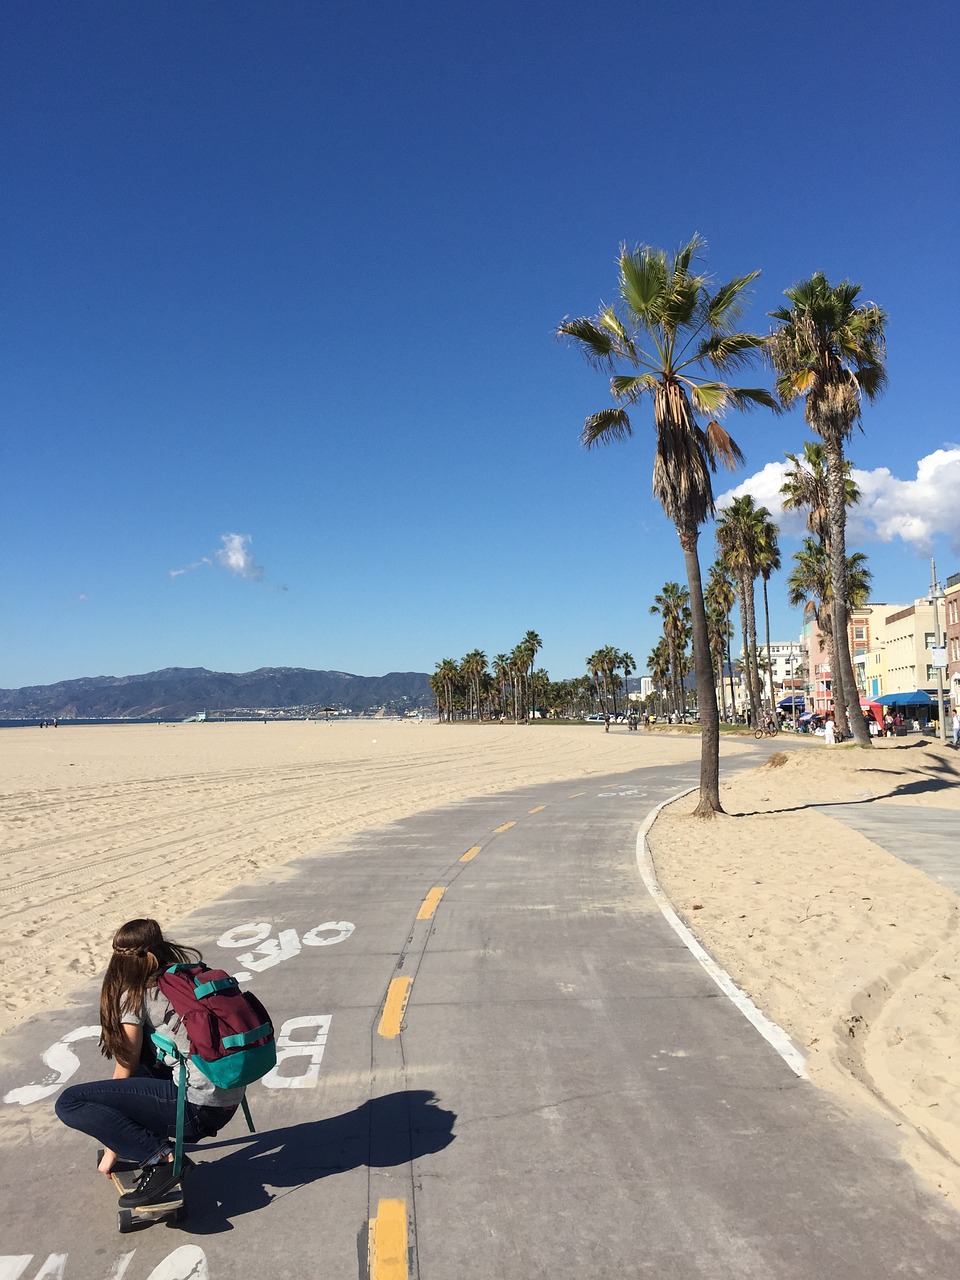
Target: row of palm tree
x=673 y=338
x=510 y=687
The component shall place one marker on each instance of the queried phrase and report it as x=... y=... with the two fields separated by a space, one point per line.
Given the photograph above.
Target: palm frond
x=730 y=350
x=595 y=343
x=748 y=397
x=726 y=305
x=605 y=427
x=721 y=445
x=631 y=389
x=643 y=281
x=707 y=397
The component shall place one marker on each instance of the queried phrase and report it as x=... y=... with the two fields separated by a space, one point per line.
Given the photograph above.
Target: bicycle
x=769 y=730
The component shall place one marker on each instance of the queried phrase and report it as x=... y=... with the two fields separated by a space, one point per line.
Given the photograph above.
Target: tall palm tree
x=658 y=664
x=628 y=665
x=740 y=539
x=768 y=562
x=804 y=488
x=720 y=597
x=830 y=351
x=531 y=644
x=672 y=603
x=665 y=340
x=809 y=586
x=501 y=674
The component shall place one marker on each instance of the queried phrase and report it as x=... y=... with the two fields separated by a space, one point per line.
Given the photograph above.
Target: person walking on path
x=829 y=736
x=134 y=1114
x=956 y=727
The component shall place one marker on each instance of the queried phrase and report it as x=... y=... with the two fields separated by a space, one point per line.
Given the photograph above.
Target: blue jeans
x=136 y=1117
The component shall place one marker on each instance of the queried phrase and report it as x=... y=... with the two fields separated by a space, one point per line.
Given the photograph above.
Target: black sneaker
x=156 y=1185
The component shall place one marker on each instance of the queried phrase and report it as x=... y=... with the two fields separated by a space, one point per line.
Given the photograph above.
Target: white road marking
x=774 y=1035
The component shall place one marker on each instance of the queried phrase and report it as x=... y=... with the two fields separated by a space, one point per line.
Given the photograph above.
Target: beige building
x=908 y=645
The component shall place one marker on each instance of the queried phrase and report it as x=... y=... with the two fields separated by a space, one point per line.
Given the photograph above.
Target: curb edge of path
x=775 y=1035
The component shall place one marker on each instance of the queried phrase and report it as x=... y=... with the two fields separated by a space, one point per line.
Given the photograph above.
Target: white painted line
x=774 y=1035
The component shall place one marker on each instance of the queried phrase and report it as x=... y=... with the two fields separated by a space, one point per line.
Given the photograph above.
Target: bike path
x=564 y=1091
x=923 y=835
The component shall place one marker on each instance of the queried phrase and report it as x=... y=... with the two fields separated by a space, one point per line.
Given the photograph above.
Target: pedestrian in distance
x=956 y=727
x=134 y=1114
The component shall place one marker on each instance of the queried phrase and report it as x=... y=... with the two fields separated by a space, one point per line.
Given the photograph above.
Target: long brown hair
x=140 y=951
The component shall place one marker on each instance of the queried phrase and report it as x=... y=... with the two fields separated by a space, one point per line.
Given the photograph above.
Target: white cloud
x=234 y=555
x=915 y=511
x=236 y=558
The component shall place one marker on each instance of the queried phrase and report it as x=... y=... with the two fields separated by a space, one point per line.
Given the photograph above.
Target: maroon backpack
x=230 y=1032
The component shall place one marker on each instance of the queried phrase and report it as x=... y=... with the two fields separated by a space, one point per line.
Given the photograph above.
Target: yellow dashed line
x=430 y=904
x=387 y=1241
x=573 y=795
x=506 y=827
x=394 y=1007
x=471 y=853
x=539 y=809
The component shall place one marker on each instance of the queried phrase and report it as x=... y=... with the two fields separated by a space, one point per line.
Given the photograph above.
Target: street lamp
x=936 y=595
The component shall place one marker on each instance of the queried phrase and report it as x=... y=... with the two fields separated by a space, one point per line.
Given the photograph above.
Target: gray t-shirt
x=157 y=1014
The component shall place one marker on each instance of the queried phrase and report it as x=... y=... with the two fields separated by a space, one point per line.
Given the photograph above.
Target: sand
x=854 y=953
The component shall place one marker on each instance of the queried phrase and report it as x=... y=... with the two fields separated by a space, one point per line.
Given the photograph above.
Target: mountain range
x=185 y=691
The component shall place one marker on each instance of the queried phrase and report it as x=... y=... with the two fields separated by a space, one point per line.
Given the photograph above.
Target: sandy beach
x=854 y=953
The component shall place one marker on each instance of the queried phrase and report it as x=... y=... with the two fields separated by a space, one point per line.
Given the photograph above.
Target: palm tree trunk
x=733 y=696
x=756 y=698
x=706 y=695
x=745 y=633
x=766 y=623
x=844 y=676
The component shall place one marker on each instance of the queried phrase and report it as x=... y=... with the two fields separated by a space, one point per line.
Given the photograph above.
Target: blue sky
x=280 y=385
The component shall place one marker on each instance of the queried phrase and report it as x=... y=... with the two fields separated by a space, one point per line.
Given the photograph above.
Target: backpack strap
x=169 y=1048
x=246 y=1114
x=211 y=988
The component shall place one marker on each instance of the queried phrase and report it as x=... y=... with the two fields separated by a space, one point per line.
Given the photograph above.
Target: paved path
x=569 y=1096
x=925 y=837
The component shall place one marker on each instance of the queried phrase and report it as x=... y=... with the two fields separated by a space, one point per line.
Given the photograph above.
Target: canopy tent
x=809 y=716
x=915 y=699
x=791 y=701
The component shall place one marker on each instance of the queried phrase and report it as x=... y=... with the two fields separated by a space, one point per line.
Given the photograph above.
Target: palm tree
x=531 y=645
x=830 y=351
x=768 y=562
x=627 y=665
x=658 y=664
x=501 y=674
x=804 y=488
x=447 y=677
x=673 y=606
x=669 y=333
x=740 y=539
x=673 y=330
x=809 y=586
x=720 y=597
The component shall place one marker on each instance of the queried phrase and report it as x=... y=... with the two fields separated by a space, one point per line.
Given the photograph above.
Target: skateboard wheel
x=124 y=1221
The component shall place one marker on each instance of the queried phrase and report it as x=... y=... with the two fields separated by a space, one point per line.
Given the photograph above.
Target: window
x=929 y=639
x=859 y=633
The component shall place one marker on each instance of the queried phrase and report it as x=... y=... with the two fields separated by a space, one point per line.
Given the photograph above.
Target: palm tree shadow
x=257 y=1168
x=922 y=787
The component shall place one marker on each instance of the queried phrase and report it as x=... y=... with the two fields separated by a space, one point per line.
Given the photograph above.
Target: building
x=866 y=628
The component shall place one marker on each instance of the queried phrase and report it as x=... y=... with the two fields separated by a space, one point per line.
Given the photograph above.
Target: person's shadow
x=383 y=1132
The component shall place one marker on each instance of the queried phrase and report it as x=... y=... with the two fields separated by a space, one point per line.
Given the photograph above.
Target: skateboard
x=124 y=1175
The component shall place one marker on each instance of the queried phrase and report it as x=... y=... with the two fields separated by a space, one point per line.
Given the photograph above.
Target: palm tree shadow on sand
x=260 y=1167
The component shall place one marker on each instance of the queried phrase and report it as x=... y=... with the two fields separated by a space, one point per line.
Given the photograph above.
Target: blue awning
x=915 y=699
x=796 y=700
